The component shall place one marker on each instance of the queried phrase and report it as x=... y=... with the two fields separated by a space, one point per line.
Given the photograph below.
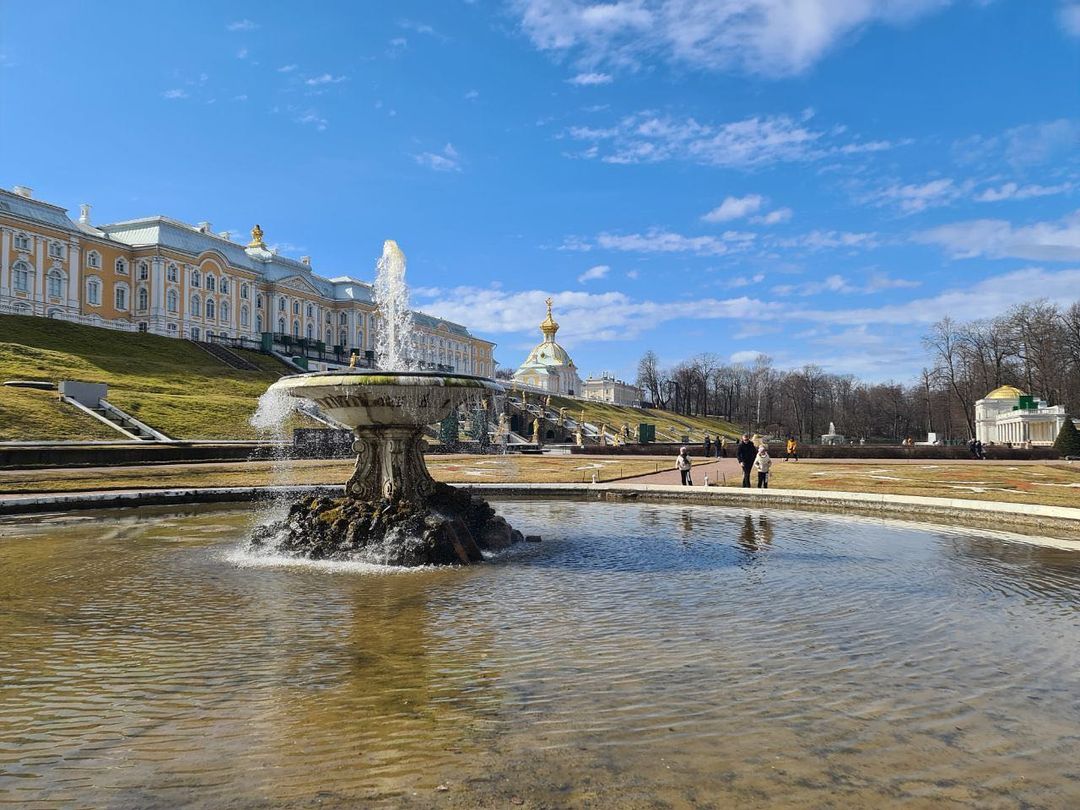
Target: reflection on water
x=639 y=656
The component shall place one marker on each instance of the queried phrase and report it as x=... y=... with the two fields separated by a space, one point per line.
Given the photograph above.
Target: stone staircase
x=225 y=355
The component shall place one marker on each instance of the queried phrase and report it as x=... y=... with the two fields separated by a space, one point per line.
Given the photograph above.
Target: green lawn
x=670 y=427
x=168 y=383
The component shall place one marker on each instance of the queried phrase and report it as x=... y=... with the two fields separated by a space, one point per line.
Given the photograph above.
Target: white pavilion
x=1008 y=415
x=548 y=366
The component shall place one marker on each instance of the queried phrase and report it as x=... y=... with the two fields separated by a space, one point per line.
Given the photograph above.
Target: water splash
x=394 y=339
x=274 y=408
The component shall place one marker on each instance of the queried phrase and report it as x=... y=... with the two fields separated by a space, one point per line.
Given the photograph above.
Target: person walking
x=708 y=446
x=721 y=447
x=746 y=453
x=792 y=449
x=762 y=464
x=683 y=465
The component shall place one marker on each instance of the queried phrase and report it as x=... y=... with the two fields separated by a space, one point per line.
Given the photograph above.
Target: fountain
x=832 y=437
x=393 y=511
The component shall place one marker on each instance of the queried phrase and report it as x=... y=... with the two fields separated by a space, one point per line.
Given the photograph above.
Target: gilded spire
x=256 y=238
x=548 y=325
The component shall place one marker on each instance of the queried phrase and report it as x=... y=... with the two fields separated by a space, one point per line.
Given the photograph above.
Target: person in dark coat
x=708 y=446
x=746 y=453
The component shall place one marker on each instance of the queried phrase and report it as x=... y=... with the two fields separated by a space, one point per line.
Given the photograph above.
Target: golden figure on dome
x=256 y=238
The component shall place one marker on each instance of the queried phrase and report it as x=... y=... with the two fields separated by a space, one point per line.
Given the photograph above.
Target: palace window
x=171 y=327
x=281 y=306
x=310 y=332
x=22 y=276
x=310 y=311
x=56 y=283
x=22 y=242
x=196 y=278
x=258 y=301
x=296 y=328
x=56 y=250
x=93 y=259
x=224 y=284
x=121 y=267
x=244 y=291
x=343 y=319
x=360 y=338
x=144 y=298
x=329 y=337
x=172 y=273
x=194 y=333
x=224 y=311
x=343 y=339
x=281 y=326
x=244 y=316
x=196 y=306
x=144 y=270
x=93 y=292
x=120 y=297
x=258 y=324
x=296 y=308
x=210 y=307
x=211 y=282
x=172 y=301
x=144 y=326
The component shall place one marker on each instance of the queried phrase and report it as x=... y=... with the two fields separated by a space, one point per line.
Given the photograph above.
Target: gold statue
x=256 y=238
x=352 y=360
x=547 y=401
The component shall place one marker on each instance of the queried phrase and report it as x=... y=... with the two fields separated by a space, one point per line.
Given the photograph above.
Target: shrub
x=1068 y=439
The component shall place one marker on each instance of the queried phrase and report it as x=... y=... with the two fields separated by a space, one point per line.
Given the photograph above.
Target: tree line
x=1035 y=346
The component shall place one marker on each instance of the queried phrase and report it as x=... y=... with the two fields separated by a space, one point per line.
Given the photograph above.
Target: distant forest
x=1035 y=346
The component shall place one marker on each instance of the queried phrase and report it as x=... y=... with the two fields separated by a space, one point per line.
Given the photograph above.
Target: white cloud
x=287 y=68
x=912 y=198
x=593 y=273
x=735 y=208
x=175 y=93
x=656 y=240
x=312 y=118
x=1014 y=191
x=998 y=239
x=583 y=316
x=472 y=94
x=773 y=217
x=632 y=274
x=746 y=356
x=828 y=240
x=590 y=79
x=769 y=37
x=446 y=161
x=242 y=25
x=242 y=53
x=744 y=281
x=325 y=78
x=1025 y=145
x=1069 y=17
x=838 y=284
x=647 y=137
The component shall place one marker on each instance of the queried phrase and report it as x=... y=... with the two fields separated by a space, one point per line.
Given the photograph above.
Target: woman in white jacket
x=683 y=465
x=762 y=464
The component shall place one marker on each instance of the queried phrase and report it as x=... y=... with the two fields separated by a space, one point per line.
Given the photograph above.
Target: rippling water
x=641 y=656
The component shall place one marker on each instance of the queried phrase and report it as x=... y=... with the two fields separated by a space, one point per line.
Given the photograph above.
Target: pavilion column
x=5 y=248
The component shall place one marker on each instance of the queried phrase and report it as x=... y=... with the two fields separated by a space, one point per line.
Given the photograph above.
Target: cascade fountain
x=393 y=511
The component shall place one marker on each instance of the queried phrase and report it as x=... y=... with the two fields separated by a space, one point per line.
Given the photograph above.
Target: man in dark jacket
x=745 y=452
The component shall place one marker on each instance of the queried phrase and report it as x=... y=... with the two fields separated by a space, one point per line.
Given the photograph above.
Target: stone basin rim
x=368 y=377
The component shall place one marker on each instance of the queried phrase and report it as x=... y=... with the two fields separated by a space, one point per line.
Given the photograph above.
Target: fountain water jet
x=393 y=511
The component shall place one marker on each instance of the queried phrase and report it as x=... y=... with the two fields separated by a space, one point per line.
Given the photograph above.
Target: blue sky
x=817 y=180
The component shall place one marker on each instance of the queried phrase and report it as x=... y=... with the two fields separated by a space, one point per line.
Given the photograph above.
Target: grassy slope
x=168 y=383
x=26 y=413
x=614 y=416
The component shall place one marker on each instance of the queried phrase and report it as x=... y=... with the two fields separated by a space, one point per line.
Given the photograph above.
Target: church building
x=548 y=367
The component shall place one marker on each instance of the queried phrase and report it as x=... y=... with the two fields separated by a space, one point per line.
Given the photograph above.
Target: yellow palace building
x=167 y=277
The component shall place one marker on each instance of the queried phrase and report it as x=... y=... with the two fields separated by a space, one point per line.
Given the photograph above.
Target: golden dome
x=1006 y=392
x=548 y=325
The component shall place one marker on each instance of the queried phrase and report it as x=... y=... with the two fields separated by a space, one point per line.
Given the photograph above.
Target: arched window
x=258 y=323
x=196 y=306
x=244 y=291
x=22 y=242
x=360 y=338
x=210 y=307
x=224 y=313
x=343 y=319
x=196 y=278
x=56 y=283
x=281 y=326
x=295 y=307
x=171 y=301
x=343 y=339
x=93 y=259
x=121 y=267
x=21 y=279
x=329 y=337
x=224 y=286
x=120 y=296
x=211 y=282
x=144 y=298
x=281 y=304
x=93 y=292
x=258 y=301
x=194 y=333
x=244 y=316
x=296 y=328
x=310 y=311
x=310 y=332
x=172 y=273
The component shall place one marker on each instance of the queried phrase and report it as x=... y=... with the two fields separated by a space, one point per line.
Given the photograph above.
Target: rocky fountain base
x=393 y=512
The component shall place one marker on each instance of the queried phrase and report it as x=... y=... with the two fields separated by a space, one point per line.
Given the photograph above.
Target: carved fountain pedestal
x=393 y=511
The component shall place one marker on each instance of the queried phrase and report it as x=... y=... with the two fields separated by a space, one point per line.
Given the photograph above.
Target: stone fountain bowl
x=364 y=398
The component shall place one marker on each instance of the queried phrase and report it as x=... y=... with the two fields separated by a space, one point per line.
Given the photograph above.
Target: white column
x=74 y=277
x=5 y=249
x=40 y=277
